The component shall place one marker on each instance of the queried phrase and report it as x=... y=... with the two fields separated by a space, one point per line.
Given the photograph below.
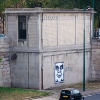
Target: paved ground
x=56 y=92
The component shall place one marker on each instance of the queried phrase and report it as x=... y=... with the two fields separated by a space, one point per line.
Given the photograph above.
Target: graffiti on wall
x=68 y=69
x=59 y=72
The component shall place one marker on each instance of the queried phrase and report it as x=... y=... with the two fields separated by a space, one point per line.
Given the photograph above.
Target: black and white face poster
x=59 y=72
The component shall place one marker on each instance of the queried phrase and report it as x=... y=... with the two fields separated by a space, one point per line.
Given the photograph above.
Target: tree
x=51 y=4
x=39 y=3
x=11 y=4
x=34 y=3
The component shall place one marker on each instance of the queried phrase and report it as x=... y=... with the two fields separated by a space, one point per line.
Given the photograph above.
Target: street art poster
x=59 y=72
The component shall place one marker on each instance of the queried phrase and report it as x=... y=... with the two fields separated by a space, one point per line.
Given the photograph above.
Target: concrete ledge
x=49 y=49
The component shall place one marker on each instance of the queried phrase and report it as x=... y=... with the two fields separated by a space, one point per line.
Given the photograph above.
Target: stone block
x=6 y=62
x=1 y=82
x=1 y=66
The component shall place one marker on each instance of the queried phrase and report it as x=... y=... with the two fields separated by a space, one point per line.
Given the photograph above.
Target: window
x=65 y=92
x=21 y=27
x=76 y=92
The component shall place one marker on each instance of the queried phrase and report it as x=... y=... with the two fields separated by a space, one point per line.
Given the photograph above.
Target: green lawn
x=19 y=94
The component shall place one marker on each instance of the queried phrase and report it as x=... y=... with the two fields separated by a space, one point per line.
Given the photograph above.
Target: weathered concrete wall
x=95 y=60
x=63 y=42
x=32 y=31
x=65 y=29
x=25 y=70
x=51 y=37
x=73 y=66
x=5 y=79
x=12 y=27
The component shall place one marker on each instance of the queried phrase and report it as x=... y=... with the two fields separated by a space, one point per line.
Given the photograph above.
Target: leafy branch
x=0 y=59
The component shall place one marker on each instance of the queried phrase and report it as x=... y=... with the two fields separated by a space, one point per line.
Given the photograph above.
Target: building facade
x=46 y=46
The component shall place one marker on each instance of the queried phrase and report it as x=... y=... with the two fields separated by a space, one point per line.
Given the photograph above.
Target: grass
x=7 y=93
x=89 y=85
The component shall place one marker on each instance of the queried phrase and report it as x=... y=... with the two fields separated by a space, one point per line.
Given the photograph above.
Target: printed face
x=59 y=71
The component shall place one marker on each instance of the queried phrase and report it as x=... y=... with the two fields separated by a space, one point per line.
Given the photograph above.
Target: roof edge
x=45 y=10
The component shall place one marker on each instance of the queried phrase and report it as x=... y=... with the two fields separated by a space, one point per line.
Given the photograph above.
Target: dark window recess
x=22 y=27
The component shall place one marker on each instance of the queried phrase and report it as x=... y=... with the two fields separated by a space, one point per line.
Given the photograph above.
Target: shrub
x=0 y=59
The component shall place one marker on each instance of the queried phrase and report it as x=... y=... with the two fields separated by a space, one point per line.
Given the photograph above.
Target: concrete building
x=46 y=46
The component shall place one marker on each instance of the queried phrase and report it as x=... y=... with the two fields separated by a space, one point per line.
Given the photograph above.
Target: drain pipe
x=42 y=52
x=27 y=46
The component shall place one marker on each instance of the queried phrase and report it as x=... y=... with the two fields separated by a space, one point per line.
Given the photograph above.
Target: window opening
x=22 y=27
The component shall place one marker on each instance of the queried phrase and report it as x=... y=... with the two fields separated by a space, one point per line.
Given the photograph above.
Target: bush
x=0 y=59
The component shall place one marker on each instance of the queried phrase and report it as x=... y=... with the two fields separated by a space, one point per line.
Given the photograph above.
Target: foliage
x=96 y=5
x=11 y=3
x=96 y=24
x=62 y=3
x=52 y=4
x=38 y=3
x=0 y=59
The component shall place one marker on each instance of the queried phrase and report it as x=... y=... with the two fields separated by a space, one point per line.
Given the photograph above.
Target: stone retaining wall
x=95 y=60
x=5 y=79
